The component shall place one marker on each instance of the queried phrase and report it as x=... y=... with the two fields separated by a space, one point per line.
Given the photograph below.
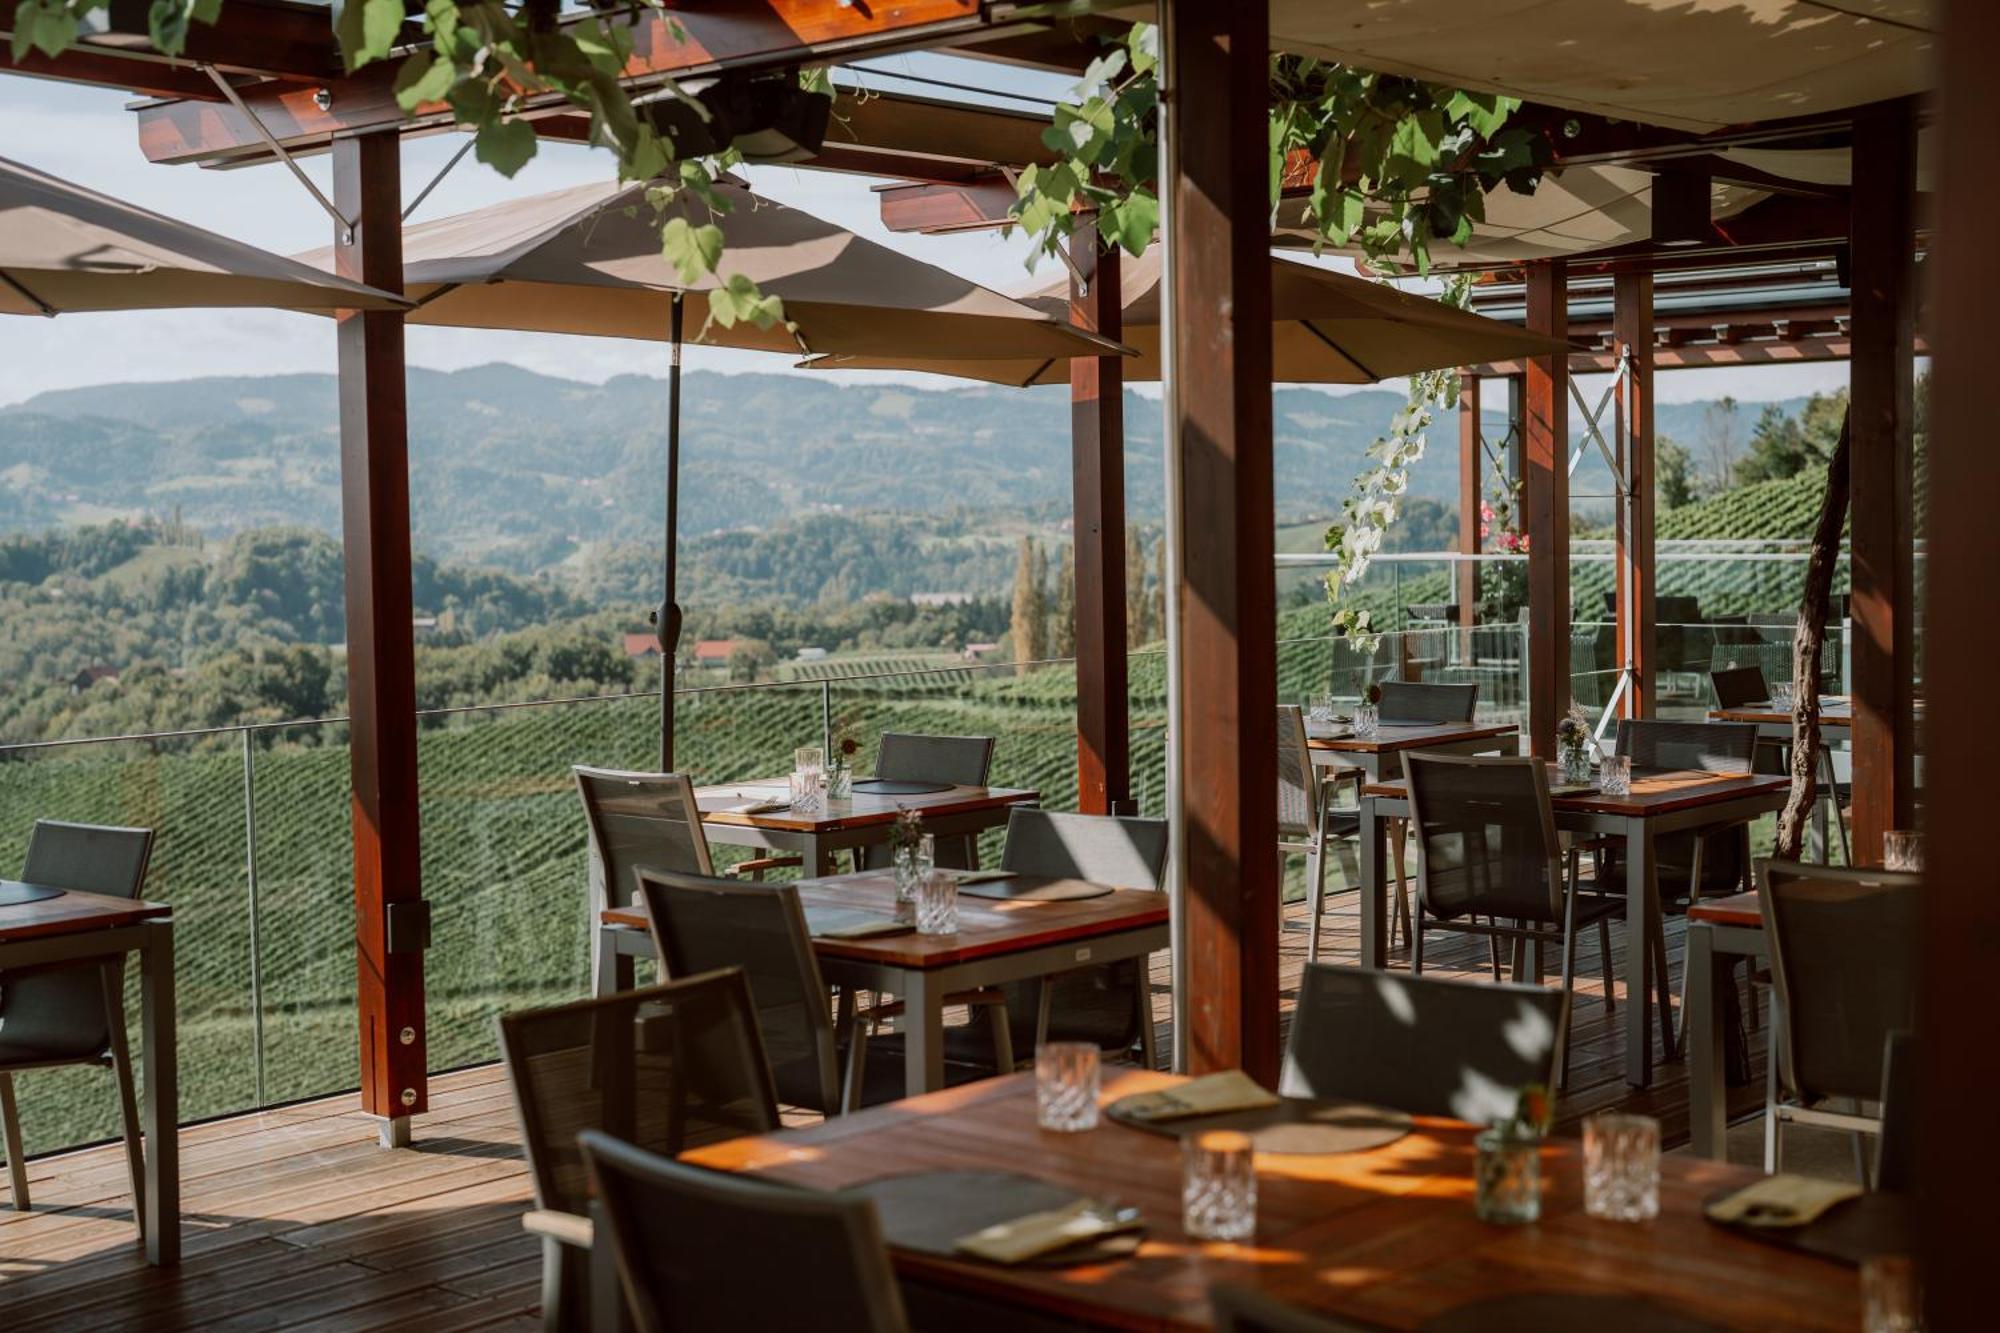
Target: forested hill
x=520 y=470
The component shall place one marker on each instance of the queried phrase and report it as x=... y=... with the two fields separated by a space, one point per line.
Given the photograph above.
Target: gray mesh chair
x=1463 y=1049
x=699 y=1249
x=1845 y=947
x=963 y=761
x=1738 y=687
x=1406 y=701
x=73 y=1013
x=1242 y=1310
x=1308 y=819
x=700 y=923
x=1490 y=849
x=669 y=1067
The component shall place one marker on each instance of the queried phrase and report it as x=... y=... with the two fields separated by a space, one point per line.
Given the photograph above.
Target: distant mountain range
x=524 y=471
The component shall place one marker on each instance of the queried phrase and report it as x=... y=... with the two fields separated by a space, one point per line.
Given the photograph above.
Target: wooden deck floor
x=295 y=1220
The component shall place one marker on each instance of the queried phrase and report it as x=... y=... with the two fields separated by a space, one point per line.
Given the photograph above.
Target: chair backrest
x=1298 y=787
x=700 y=923
x=964 y=760
x=1418 y=1044
x=89 y=858
x=1121 y=850
x=1844 y=948
x=61 y=1010
x=640 y=821
x=1410 y=701
x=1488 y=836
x=1739 y=685
x=701 y=1250
x=1896 y=1153
x=1702 y=747
x=1242 y=1310
x=670 y=1067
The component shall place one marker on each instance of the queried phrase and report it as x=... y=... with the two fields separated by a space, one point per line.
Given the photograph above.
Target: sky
x=86 y=135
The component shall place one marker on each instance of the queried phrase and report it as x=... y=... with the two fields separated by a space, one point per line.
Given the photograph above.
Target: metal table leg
x=923 y=1037
x=1374 y=889
x=1639 y=898
x=162 y=1112
x=1707 y=1098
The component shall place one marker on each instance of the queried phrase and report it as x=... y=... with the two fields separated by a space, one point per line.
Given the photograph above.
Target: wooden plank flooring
x=295 y=1220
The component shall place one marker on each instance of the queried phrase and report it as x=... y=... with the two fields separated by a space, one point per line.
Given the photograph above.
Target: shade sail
x=1330 y=328
x=65 y=248
x=587 y=260
x=1690 y=64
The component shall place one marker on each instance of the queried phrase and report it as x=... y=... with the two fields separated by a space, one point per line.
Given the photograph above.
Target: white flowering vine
x=1367 y=515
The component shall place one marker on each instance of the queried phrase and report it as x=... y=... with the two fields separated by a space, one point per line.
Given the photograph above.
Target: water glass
x=1891 y=1298
x=1066 y=1078
x=809 y=756
x=1621 y=1167
x=1321 y=707
x=1507 y=1178
x=913 y=866
x=937 y=904
x=807 y=788
x=1781 y=695
x=1218 y=1186
x=1367 y=720
x=1903 y=849
x=1614 y=775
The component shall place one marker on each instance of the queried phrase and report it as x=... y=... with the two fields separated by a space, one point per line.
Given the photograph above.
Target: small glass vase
x=912 y=864
x=840 y=783
x=1508 y=1178
x=1578 y=766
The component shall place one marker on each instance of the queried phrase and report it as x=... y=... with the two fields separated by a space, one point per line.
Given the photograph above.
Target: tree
x=1721 y=441
x=1029 y=626
x=1159 y=619
x=748 y=658
x=1784 y=446
x=1138 y=610
x=1673 y=480
x=1062 y=634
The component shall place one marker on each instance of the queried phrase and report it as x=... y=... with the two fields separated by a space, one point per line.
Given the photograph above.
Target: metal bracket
x=443 y=171
x=271 y=141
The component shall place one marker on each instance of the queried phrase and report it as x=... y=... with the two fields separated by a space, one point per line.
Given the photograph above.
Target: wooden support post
x=1638 y=588
x=1470 y=497
x=1097 y=453
x=1957 y=1069
x=381 y=669
x=1882 y=531
x=1221 y=298
x=1545 y=498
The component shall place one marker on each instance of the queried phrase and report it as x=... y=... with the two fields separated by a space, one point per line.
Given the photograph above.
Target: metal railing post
x=250 y=876
x=826 y=716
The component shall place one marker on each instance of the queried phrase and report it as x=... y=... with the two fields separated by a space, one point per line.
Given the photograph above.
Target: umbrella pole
x=667 y=620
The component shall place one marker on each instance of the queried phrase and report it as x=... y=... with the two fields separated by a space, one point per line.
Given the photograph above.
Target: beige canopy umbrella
x=588 y=260
x=1329 y=328
x=67 y=249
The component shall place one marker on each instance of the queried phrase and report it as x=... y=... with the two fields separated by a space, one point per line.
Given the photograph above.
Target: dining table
x=1720 y=930
x=1660 y=802
x=43 y=926
x=1379 y=757
x=1042 y=928
x=730 y=815
x=1385 y=1237
x=1774 y=729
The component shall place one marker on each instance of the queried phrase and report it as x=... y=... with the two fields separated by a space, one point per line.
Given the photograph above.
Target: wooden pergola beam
x=1670 y=355
x=281 y=41
x=1882 y=513
x=1220 y=442
x=1632 y=301
x=1545 y=500
x=1097 y=452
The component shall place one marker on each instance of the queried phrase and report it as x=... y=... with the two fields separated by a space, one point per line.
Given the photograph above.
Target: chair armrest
x=755 y=869
x=565 y=1227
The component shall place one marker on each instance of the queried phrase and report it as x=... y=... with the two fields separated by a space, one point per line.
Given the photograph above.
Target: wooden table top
x=74 y=911
x=1387 y=1237
x=865 y=810
x=1835 y=711
x=1738 y=909
x=1654 y=792
x=986 y=926
x=1411 y=736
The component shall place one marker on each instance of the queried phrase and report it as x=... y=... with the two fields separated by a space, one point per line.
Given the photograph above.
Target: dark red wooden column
x=1632 y=327
x=1545 y=498
x=1959 y=1075
x=1097 y=453
x=1218 y=197
x=381 y=673
x=1880 y=524
x=1470 y=470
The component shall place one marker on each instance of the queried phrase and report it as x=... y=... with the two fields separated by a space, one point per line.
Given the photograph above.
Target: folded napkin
x=1781 y=1201
x=1213 y=1094
x=981 y=876
x=759 y=807
x=1037 y=1234
x=864 y=930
